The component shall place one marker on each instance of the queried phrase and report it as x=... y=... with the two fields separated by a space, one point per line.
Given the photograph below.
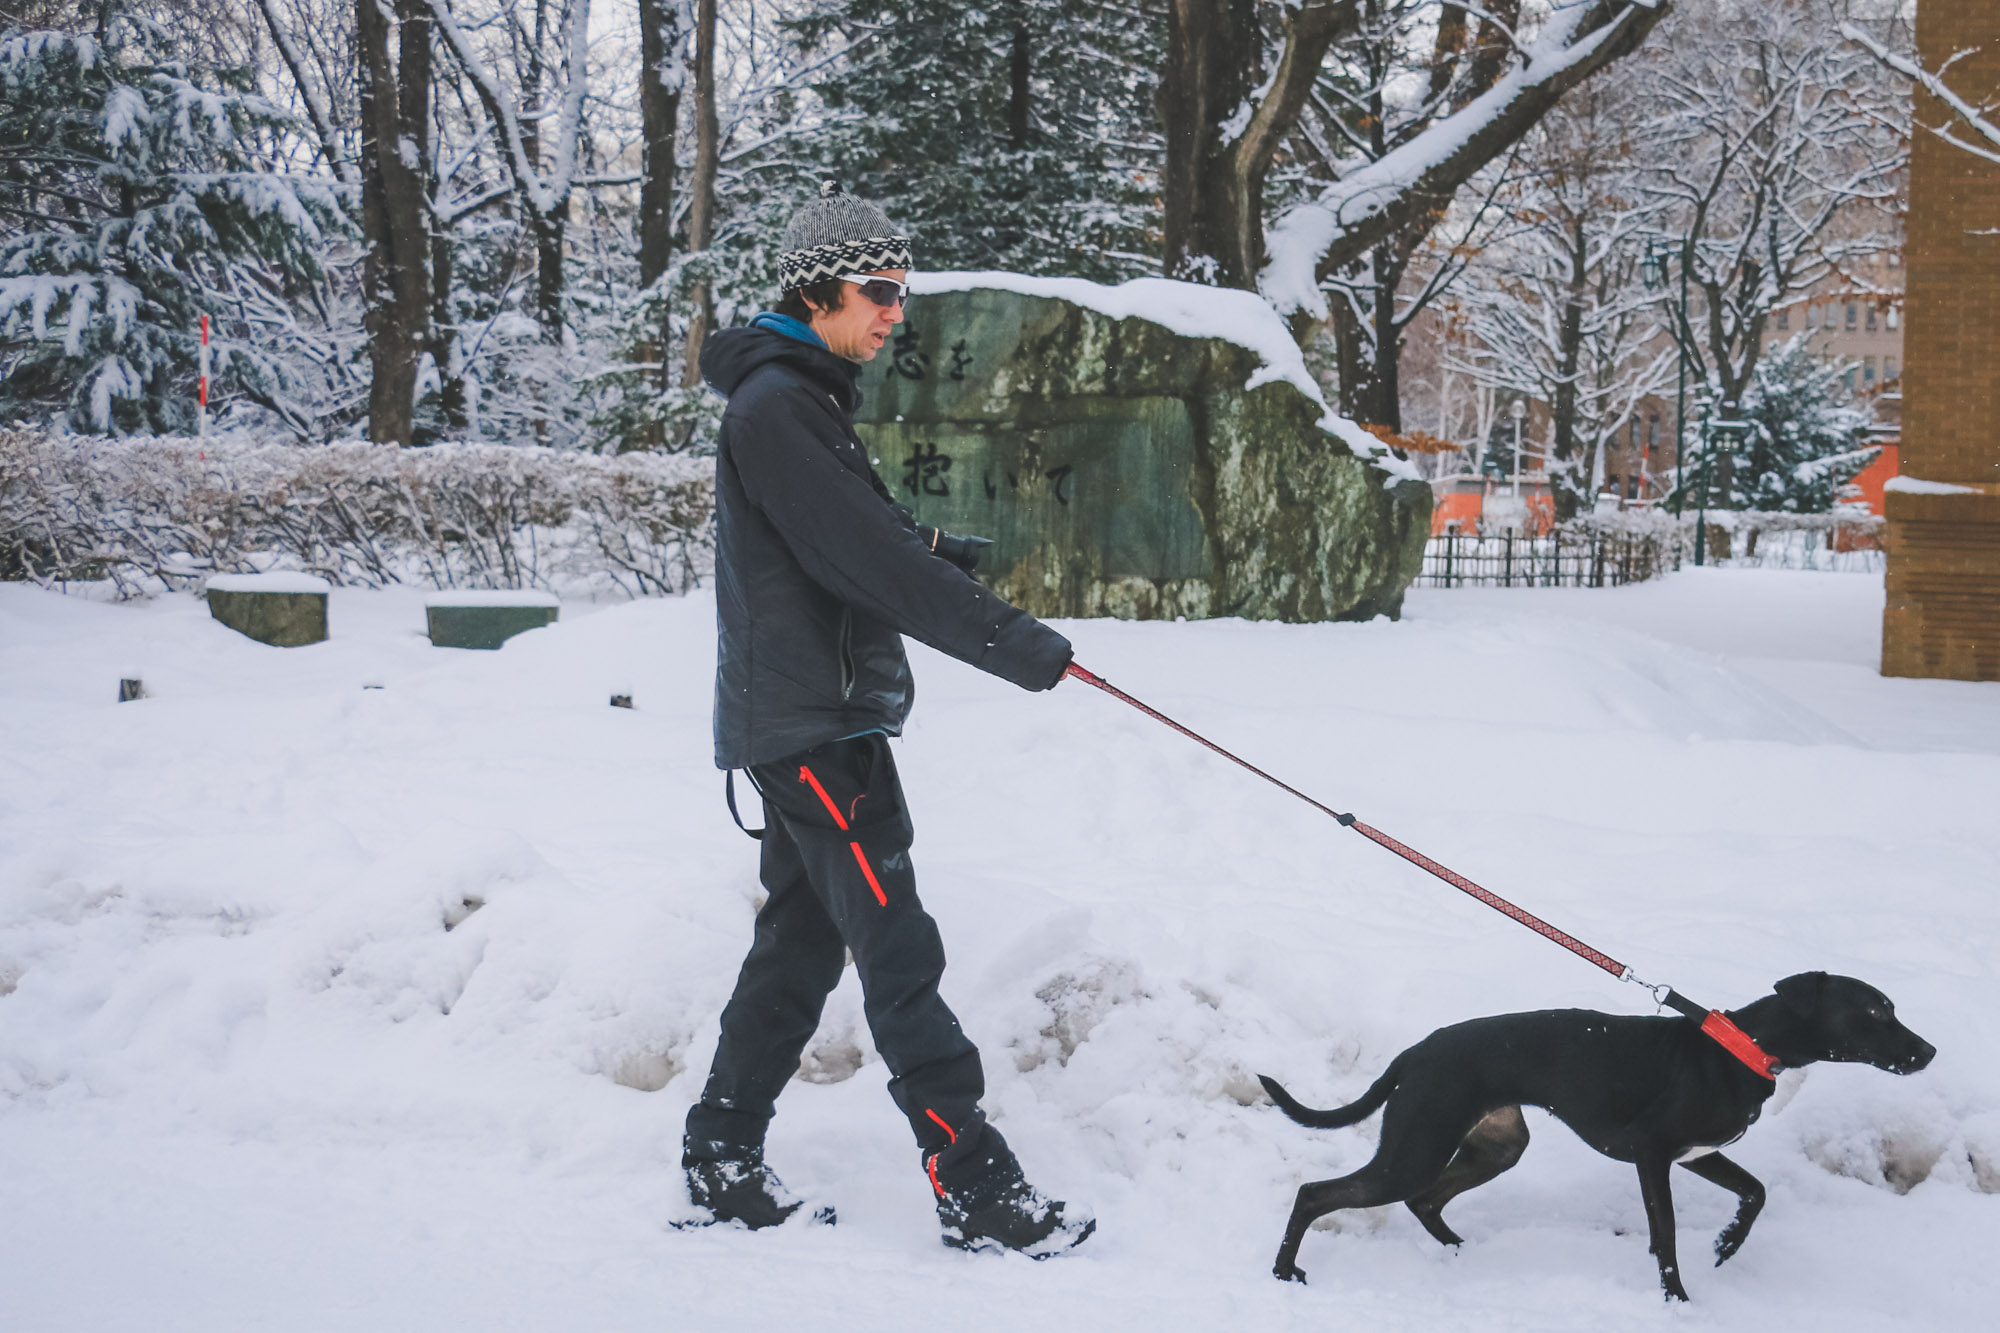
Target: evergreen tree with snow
x=1018 y=134
x=135 y=197
x=1807 y=436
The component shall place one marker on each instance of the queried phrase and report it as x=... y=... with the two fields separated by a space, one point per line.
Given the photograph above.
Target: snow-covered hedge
x=1846 y=536
x=152 y=513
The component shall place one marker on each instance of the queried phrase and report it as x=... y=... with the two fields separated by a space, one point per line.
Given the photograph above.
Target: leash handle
x=1375 y=835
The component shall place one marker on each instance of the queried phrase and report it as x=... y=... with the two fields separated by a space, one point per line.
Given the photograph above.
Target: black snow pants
x=836 y=863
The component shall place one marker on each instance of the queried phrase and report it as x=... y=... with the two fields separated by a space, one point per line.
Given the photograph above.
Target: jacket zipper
x=846 y=653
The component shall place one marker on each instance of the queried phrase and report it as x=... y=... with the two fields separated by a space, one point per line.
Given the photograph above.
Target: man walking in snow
x=818 y=575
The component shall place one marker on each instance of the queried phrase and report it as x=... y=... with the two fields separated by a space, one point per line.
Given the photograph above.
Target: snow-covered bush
x=168 y=512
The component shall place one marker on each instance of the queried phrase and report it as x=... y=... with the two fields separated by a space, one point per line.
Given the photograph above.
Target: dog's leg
x=1656 y=1188
x=1719 y=1170
x=1494 y=1145
x=1414 y=1152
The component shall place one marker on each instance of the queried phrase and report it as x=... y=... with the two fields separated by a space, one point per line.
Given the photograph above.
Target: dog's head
x=1848 y=1020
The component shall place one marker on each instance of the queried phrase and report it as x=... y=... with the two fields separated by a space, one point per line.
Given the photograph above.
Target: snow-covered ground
x=333 y=1007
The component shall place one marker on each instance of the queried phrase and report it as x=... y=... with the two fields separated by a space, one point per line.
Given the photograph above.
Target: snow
x=491 y=597
x=250 y=1079
x=1918 y=486
x=277 y=580
x=1192 y=310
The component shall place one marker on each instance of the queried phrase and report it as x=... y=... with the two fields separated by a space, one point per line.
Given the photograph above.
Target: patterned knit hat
x=836 y=234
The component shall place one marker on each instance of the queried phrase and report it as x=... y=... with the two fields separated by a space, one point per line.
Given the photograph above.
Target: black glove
x=961 y=551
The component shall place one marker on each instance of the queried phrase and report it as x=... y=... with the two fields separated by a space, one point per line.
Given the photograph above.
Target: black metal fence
x=1557 y=560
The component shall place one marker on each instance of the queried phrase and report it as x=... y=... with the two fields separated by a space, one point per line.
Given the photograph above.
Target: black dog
x=1650 y=1091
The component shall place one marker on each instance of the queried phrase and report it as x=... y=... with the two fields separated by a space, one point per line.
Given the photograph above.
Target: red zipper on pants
x=860 y=857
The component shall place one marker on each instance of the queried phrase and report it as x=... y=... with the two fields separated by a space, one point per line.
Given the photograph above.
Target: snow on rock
x=332 y=1007
x=277 y=580
x=1194 y=311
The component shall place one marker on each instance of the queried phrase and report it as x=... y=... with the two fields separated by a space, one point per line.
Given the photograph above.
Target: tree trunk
x=1568 y=494
x=660 y=83
x=701 y=190
x=1017 y=88
x=1212 y=60
x=443 y=337
x=550 y=229
x=660 y=114
x=394 y=109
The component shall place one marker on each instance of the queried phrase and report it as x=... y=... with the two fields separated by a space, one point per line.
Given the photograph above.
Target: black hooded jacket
x=819 y=571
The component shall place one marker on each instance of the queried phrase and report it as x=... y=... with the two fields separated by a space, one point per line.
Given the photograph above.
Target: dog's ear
x=1801 y=993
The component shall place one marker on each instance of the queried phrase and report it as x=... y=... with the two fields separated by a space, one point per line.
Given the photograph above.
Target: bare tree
x=1555 y=310
x=1773 y=150
x=1228 y=122
x=1958 y=115
x=518 y=123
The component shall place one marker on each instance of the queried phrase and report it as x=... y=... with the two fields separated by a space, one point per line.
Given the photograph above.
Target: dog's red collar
x=1740 y=1044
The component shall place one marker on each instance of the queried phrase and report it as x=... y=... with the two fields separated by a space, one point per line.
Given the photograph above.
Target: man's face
x=859 y=328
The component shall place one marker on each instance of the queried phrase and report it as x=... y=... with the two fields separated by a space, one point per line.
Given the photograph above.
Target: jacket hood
x=731 y=356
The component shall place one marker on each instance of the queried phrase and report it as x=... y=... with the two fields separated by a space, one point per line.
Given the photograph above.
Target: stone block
x=285 y=610
x=479 y=618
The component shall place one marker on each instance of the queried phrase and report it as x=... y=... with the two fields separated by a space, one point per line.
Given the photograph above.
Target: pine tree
x=1806 y=439
x=1018 y=134
x=136 y=202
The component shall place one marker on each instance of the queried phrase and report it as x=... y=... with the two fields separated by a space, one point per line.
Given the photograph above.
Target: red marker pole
x=201 y=413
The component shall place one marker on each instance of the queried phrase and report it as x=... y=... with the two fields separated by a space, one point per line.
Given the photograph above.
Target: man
x=818 y=574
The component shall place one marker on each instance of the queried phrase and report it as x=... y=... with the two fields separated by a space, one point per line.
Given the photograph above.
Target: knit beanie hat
x=836 y=234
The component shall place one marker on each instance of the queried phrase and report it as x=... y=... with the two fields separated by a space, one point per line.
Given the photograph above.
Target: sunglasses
x=885 y=292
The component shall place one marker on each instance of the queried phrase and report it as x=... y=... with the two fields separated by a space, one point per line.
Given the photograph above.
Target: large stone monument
x=1123 y=468
x=1943 y=612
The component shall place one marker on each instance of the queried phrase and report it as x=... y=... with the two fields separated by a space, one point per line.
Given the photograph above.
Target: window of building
x=1871 y=318
x=1853 y=314
x=1784 y=319
x=1888 y=368
x=1847 y=378
x=1895 y=316
x=1868 y=372
x=1653 y=431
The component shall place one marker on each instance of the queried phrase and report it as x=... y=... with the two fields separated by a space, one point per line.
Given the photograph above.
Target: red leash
x=1713 y=1021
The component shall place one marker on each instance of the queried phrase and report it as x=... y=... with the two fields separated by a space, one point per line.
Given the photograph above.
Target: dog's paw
x=1289 y=1273
x=1729 y=1242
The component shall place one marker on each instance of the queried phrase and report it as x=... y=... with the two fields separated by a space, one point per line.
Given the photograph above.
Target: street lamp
x=1725 y=432
x=1518 y=409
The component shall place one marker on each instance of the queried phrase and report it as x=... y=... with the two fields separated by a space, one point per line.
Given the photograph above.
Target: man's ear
x=1801 y=993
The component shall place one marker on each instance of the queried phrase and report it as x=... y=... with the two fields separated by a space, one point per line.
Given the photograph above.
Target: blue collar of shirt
x=788 y=326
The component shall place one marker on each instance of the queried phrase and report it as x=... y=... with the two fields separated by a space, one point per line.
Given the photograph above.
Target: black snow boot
x=742 y=1189
x=986 y=1204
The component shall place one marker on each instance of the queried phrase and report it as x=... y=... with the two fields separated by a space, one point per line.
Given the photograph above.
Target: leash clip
x=1659 y=993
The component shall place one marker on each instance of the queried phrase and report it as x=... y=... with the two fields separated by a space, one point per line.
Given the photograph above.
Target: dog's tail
x=1340 y=1116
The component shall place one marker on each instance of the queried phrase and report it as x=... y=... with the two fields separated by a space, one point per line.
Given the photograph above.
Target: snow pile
x=324 y=1006
x=1193 y=311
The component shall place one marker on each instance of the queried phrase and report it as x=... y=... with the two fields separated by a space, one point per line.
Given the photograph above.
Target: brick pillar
x=1943 y=613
